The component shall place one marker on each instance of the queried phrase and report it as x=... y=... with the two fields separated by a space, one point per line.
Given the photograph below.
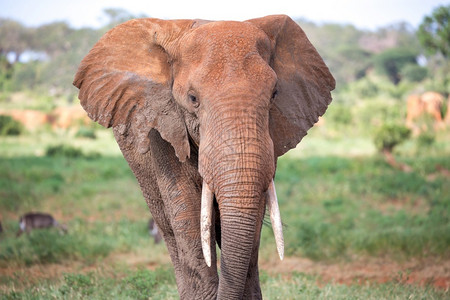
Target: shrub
x=373 y=114
x=365 y=88
x=85 y=132
x=9 y=126
x=425 y=140
x=391 y=62
x=414 y=73
x=340 y=114
x=63 y=150
x=390 y=135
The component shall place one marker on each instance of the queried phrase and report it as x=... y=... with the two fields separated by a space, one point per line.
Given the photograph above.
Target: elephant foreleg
x=180 y=188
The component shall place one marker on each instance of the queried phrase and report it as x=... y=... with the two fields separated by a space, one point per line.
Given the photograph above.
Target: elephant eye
x=194 y=101
x=274 y=94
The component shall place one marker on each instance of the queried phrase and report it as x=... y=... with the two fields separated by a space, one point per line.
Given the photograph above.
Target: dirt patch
x=416 y=206
x=423 y=272
x=60 y=117
x=136 y=260
x=435 y=272
x=22 y=277
x=26 y=276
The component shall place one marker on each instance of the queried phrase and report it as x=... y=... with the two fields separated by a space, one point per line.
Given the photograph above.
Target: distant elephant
x=201 y=111
x=427 y=103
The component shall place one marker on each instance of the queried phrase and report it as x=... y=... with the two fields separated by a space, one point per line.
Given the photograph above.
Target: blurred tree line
x=44 y=59
x=397 y=58
x=398 y=52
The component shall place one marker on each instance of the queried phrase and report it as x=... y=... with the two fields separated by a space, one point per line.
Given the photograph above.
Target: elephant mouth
x=206 y=220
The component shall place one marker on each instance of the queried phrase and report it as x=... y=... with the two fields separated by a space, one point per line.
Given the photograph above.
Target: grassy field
x=355 y=228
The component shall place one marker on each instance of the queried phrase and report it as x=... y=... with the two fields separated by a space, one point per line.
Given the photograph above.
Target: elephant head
x=240 y=94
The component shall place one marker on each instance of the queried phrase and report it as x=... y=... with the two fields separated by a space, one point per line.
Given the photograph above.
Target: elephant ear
x=125 y=83
x=304 y=82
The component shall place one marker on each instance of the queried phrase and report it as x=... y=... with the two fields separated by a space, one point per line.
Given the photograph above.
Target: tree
x=434 y=32
x=386 y=138
x=392 y=61
x=14 y=38
x=52 y=38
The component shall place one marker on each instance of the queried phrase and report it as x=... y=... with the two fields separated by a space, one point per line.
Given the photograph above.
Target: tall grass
x=336 y=207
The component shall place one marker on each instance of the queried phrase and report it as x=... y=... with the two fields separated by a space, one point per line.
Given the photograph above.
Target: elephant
x=427 y=103
x=201 y=111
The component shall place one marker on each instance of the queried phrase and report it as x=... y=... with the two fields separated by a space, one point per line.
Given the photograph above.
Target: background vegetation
x=342 y=204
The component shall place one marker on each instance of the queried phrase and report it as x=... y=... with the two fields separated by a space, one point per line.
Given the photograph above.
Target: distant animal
x=419 y=105
x=36 y=220
x=154 y=231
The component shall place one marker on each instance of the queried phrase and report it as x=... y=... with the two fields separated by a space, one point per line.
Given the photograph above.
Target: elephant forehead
x=225 y=40
x=227 y=50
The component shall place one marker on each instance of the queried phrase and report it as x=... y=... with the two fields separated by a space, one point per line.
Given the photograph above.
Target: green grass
x=336 y=204
x=28 y=182
x=118 y=283
x=332 y=206
x=160 y=284
x=36 y=143
x=85 y=242
x=335 y=207
x=302 y=286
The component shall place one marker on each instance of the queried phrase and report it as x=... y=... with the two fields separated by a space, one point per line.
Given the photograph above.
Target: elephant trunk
x=236 y=161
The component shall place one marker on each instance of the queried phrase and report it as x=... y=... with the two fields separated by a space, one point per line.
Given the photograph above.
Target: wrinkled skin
x=195 y=103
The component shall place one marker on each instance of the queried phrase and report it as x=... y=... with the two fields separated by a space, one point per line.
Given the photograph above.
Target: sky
x=364 y=14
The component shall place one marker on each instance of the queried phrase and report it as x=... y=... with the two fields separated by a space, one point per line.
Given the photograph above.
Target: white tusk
x=205 y=222
x=275 y=219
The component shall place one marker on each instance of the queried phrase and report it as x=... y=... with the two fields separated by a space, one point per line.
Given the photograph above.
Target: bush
x=63 y=150
x=85 y=132
x=425 y=140
x=390 y=135
x=414 y=73
x=391 y=62
x=365 y=88
x=9 y=126
x=340 y=114
x=375 y=113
